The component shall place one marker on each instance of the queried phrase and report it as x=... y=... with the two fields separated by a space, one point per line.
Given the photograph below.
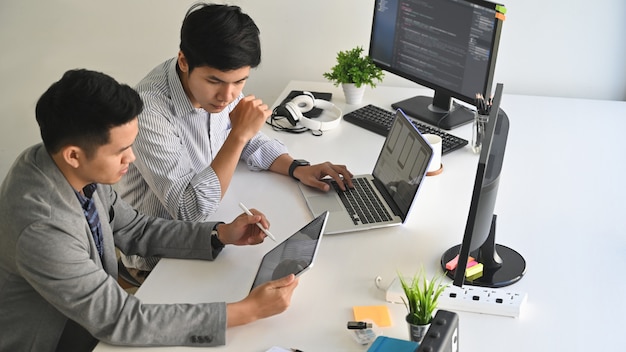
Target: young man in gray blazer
x=60 y=221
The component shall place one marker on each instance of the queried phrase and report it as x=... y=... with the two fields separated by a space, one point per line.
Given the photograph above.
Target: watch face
x=302 y=162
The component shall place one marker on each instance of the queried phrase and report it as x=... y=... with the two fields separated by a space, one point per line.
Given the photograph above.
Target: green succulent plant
x=354 y=67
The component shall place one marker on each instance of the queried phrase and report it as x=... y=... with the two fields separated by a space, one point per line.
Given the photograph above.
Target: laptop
x=294 y=255
x=389 y=190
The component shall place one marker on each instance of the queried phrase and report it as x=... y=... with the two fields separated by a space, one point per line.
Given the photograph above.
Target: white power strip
x=470 y=299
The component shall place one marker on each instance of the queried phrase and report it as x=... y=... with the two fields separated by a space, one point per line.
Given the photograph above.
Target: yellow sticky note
x=378 y=314
x=476 y=269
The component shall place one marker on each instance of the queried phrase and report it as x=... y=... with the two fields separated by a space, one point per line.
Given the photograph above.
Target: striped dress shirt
x=172 y=176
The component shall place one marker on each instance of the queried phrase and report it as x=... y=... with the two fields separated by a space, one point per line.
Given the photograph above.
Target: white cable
x=377 y=281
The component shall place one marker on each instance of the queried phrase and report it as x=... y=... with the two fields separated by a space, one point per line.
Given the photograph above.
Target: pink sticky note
x=451 y=265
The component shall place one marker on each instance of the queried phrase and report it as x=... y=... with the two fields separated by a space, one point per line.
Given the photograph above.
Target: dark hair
x=219 y=36
x=82 y=107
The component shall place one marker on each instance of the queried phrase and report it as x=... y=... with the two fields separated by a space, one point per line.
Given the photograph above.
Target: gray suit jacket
x=50 y=270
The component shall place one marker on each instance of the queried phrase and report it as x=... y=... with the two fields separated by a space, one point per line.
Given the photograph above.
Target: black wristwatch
x=295 y=164
x=216 y=244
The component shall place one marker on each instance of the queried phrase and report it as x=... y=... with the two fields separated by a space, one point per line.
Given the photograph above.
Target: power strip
x=470 y=299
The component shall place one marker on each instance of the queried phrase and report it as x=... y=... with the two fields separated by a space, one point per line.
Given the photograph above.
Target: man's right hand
x=246 y=120
x=266 y=300
x=248 y=117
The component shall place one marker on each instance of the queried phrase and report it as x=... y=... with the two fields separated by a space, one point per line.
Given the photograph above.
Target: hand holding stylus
x=266 y=231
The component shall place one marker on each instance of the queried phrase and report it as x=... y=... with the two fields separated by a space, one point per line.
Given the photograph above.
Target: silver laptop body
x=395 y=181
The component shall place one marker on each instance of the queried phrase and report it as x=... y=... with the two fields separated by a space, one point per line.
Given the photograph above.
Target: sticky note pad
x=476 y=269
x=451 y=265
x=378 y=314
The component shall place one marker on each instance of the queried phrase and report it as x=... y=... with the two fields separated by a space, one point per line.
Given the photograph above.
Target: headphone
x=295 y=109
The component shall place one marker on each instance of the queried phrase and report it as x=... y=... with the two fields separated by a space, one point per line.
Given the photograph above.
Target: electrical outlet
x=483 y=300
x=470 y=299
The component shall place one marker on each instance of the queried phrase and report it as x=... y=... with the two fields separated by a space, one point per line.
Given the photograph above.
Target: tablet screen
x=294 y=255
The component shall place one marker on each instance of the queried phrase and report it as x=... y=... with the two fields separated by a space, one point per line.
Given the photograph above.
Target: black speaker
x=443 y=334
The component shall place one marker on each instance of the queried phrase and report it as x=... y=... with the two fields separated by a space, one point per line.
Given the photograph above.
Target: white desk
x=561 y=203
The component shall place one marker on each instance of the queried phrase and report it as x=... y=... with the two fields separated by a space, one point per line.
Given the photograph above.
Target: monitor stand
x=421 y=108
x=502 y=266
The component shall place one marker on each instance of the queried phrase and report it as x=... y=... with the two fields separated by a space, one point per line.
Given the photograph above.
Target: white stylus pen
x=267 y=232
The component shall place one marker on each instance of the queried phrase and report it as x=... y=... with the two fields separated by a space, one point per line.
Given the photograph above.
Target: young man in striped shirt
x=197 y=124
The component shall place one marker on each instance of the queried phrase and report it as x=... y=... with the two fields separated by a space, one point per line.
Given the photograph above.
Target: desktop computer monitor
x=449 y=46
x=502 y=265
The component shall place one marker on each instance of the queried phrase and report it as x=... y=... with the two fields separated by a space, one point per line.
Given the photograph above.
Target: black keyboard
x=379 y=120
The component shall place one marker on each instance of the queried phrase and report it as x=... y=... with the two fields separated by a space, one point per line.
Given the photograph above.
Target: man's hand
x=311 y=175
x=243 y=230
x=246 y=120
x=248 y=117
x=266 y=300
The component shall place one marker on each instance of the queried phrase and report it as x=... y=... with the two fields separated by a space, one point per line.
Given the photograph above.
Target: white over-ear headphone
x=294 y=112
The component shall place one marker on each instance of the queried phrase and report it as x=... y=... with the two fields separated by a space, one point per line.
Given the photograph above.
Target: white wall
x=557 y=48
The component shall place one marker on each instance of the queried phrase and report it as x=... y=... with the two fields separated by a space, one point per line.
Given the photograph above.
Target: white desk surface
x=561 y=205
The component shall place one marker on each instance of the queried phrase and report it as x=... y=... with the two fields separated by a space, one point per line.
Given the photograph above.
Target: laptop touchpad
x=320 y=204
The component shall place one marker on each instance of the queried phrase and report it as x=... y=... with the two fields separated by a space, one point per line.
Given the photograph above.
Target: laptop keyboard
x=379 y=120
x=362 y=203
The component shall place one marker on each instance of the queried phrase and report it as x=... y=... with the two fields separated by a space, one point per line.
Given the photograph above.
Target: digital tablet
x=294 y=255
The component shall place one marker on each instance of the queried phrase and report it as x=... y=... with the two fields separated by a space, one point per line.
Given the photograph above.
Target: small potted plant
x=354 y=71
x=421 y=302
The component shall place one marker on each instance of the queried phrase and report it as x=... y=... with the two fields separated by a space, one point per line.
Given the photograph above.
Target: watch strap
x=216 y=244
x=294 y=165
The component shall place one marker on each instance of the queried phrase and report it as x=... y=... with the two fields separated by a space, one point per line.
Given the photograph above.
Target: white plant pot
x=353 y=94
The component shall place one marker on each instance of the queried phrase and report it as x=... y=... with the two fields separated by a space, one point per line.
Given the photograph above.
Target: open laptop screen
x=402 y=162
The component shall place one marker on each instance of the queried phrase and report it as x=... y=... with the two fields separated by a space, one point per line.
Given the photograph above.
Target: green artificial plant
x=353 y=67
x=421 y=297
